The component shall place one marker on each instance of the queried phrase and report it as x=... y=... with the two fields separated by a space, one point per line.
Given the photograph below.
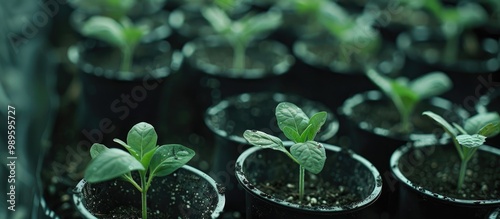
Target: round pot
x=325 y=52
x=110 y=99
x=157 y=23
x=469 y=54
x=186 y=193
x=264 y=173
x=428 y=188
x=209 y=60
x=228 y=119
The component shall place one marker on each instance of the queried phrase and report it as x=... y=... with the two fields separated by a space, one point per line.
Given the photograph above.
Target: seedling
x=144 y=156
x=240 y=33
x=407 y=94
x=468 y=138
x=299 y=128
x=123 y=35
x=109 y=8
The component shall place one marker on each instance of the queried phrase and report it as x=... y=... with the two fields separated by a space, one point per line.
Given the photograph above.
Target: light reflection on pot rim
x=329 y=129
x=398 y=153
x=376 y=95
x=495 y=214
x=368 y=200
x=278 y=49
x=219 y=208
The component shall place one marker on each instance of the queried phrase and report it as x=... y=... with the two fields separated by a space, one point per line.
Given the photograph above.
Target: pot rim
x=367 y=201
x=280 y=68
x=399 y=152
x=74 y=56
x=327 y=132
x=374 y=95
x=77 y=199
x=406 y=39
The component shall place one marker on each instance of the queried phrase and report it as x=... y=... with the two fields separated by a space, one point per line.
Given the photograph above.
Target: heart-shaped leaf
x=311 y=155
x=110 y=164
x=289 y=115
x=96 y=149
x=168 y=158
x=142 y=138
x=431 y=84
x=264 y=140
x=471 y=141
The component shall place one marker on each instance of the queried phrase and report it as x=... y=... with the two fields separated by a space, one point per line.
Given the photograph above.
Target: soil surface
x=437 y=171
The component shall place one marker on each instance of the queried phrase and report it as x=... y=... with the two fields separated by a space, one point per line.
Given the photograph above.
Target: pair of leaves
x=123 y=35
x=244 y=30
x=143 y=154
x=475 y=131
x=301 y=129
x=405 y=95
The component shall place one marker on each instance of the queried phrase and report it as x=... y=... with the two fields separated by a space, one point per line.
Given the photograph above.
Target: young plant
x=110 y=8
x=468 y=138
x=144 y=156
x=298 y=127
x=123 y=35
x=240 y=33
x=405 y=94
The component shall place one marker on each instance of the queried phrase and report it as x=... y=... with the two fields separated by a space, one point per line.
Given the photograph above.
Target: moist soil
x=317 y=193
x=383 y=114
x=437 y=171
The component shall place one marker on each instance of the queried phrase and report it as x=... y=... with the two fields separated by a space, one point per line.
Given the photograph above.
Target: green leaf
x=305 y=135
x=264 y=140
x=311 y=155
x=289 y=115
x=317 y=121
x=217 y=18
x=110 y=164
x=105 y=29
x=97 y=149
x=490 y=130
x=475 y=123
x=168 y=158
x=142 y=138
x=292 y=134
x=471 y=141
x=129 y=149
x=459 y=128
x=146 y=159
x=431 y=84
x=442 y=122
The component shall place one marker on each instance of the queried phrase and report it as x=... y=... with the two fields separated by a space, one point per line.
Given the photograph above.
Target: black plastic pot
x=227 y=121
x=186 y=193
x=209 y=61
x=343 y=168
x=417 y=201
x=111 y=99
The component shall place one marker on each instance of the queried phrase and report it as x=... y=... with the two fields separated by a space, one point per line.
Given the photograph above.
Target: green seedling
x=299 y=128
x=144 y=156
x=406 y=94
x=240 y=33
x=110 y=8
x=470 y=137
x=123 y=35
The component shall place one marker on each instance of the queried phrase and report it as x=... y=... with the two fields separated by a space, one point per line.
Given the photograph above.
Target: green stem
x=301 y=182
x=463 y=168
x=126 y=59
x=239 y=56
x=131 y=181
x=144 y=195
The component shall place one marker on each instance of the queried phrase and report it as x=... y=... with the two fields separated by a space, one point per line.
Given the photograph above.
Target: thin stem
x=132 y=181
x=126 y=59
x=239 y=56
x=463 y=168
x=144 y=195
x=301 y=182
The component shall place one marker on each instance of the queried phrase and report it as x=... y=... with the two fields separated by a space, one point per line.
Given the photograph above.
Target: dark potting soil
x=437 y=168
x=317 y=193
x=176 y=196
x=383 y=114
